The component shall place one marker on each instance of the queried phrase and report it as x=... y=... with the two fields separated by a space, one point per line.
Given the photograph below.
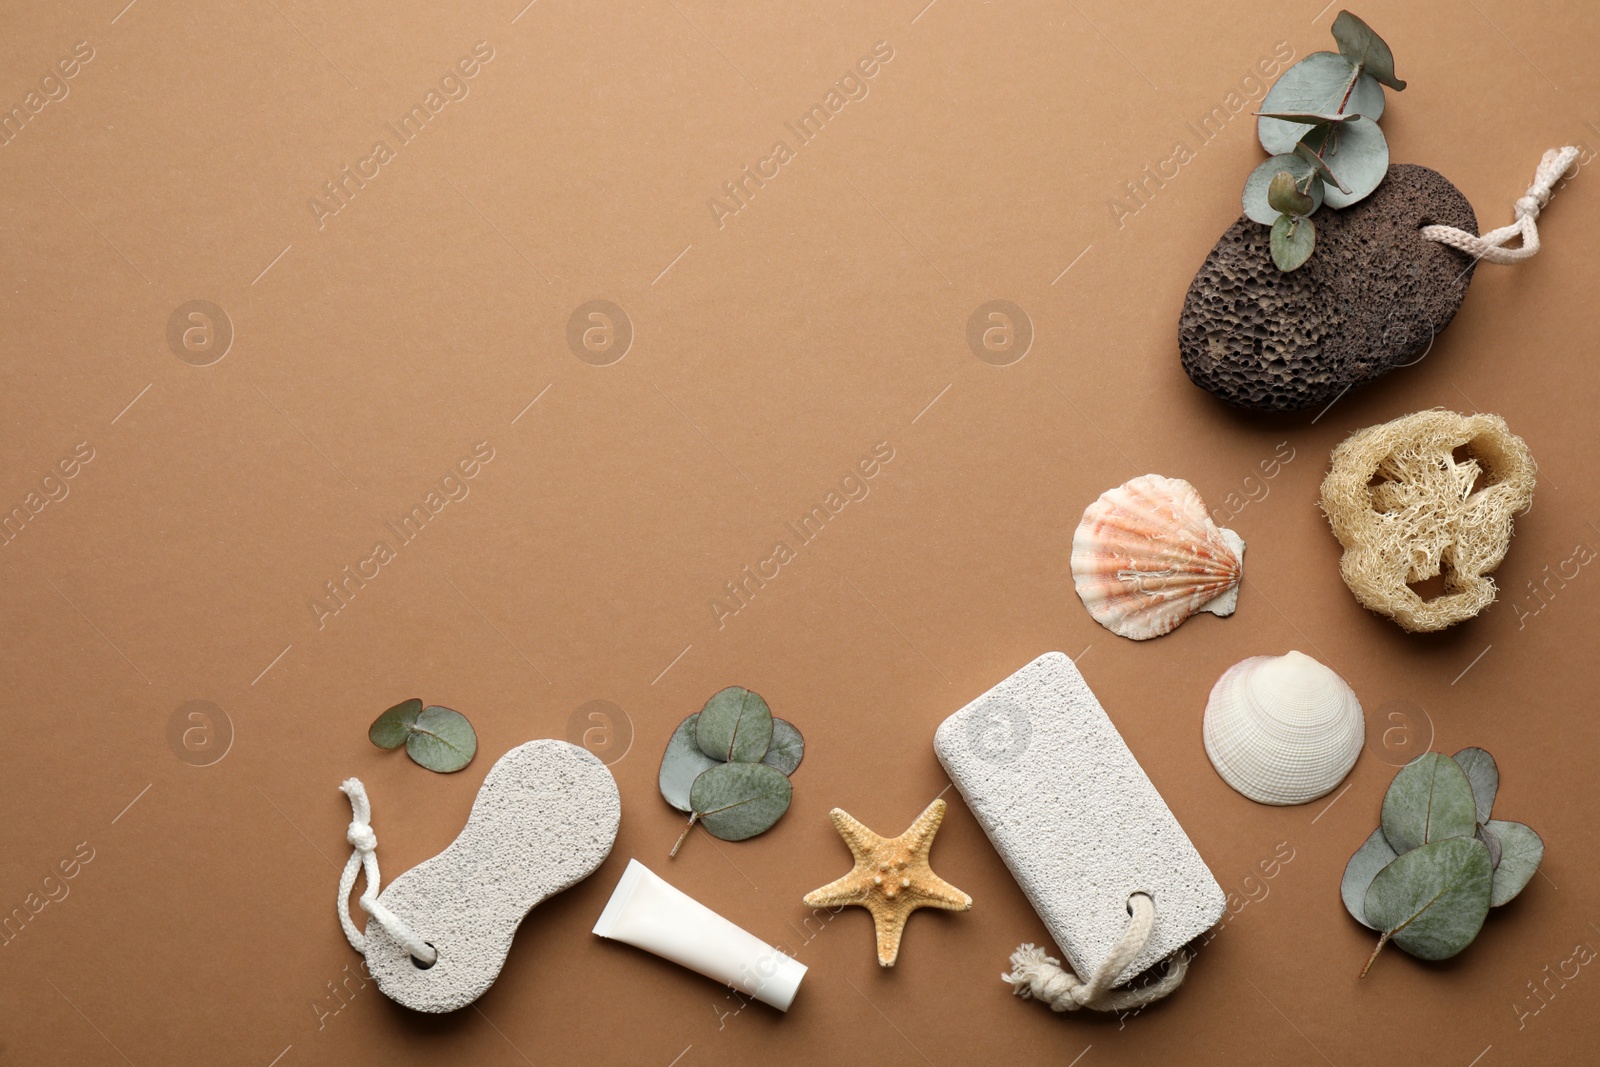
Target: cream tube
x=646 y=912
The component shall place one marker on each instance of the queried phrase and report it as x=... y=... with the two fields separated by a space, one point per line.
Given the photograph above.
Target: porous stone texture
x=544 y=819
x=1371 y=298
x=1074 y=816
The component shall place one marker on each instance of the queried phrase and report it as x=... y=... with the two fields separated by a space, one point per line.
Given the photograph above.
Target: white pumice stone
x=1074 y=816
x=544 y=819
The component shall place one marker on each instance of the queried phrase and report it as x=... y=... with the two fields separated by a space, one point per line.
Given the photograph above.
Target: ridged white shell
x=1146 y=556
x=1283 y=729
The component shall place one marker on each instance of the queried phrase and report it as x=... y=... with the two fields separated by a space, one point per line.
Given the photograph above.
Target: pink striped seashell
x=1146 y=556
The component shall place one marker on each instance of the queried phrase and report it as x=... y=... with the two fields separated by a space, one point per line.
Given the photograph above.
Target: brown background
x=770 y=354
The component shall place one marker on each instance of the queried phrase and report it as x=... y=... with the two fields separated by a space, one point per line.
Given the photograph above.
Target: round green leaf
x=1314 y=85
x=735 y=725
x=1373 y=856
x=682 y=763
x=391 y=729
x=441 y=740
x=1284 y=194
x=788 y=748
x=1428 y=800
x=1521 y=851
x=1293 y=238
x=1359 y=157
x=740 y=800
x=1484 y=777
x=1432 y=900
x=1256 y=186
x=1359 y=44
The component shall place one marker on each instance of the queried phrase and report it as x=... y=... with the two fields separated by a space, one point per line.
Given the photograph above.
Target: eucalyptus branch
x=1286 y=190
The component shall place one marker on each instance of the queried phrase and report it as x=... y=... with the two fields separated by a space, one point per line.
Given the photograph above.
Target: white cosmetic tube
x=646 y=912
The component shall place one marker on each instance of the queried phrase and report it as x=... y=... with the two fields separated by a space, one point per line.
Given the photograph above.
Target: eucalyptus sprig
x=1320 y=124
x=435 y=737
x=1428 y=875
x=728 y=766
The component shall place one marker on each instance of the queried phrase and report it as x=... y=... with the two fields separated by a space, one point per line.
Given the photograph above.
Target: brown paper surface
x=392 y=216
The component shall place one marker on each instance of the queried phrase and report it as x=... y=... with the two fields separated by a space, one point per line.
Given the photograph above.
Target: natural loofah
x=1406 y=506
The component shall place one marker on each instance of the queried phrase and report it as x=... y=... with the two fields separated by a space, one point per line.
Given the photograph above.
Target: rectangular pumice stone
x=1074 y=816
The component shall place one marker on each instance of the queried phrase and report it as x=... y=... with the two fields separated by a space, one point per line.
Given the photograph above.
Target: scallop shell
x=1147 y=556
x=1283 y=729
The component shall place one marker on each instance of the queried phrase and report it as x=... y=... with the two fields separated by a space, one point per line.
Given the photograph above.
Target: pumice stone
x=1372 y=299
x=1077 y=821
x=544 y=820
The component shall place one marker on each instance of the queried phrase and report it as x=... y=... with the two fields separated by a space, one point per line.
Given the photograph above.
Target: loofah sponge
x=1404 y=500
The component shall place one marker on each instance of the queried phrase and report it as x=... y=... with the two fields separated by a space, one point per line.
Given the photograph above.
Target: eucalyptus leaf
x=1256 y=186
x=1484 y=776
x=1373 y=856
x=739 y=800
x=1428 y=800
x=735 y=725
x=1360 y=45
x=682 y=763
x=1310 y=150
x=788 y=748
x=1293 y=238
x=441 y=740
x=391 y=729
x=1315 y=85
x=1521 y=850
x=1359 y=155
x=1284 y=194
x=1432 y=900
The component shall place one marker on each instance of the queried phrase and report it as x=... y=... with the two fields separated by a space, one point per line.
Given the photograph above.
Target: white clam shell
x=1283 y=729
x=1146 y=556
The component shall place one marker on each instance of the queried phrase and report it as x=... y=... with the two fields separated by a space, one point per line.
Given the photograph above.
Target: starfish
x=891 y=878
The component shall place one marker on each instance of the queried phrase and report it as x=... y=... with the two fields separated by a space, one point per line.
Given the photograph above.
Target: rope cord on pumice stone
x=1490 y=248
x=1035 y=975
x=365 y=855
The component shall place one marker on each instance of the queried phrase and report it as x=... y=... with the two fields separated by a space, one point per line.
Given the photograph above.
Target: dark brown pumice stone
x=1371 y=298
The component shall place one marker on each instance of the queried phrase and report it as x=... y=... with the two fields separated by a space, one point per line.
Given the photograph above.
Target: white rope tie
x=1490 y=247
x=1035 y=975
x=365 y=844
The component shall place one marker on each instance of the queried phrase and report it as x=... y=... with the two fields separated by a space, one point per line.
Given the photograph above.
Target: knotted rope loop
x=1037 y=976
x=365 y=858
x=1490 y=248
x=361 y=837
